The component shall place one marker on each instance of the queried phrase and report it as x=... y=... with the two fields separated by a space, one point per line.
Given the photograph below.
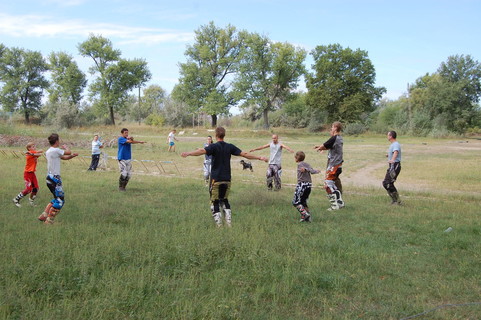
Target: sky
x=403 y=39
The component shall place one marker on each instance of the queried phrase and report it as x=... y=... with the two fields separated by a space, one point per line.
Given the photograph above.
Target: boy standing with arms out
x=170 y=140
x=303 y=187
x=96 y=145
x=221 y=174
x=124 y=156
x=394 y=160
x=274 y=168
x=54 y=182
x=31 y=183
x=332 y=183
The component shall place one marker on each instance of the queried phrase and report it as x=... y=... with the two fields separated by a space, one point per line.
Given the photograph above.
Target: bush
x=354 y=129
x=155 y=120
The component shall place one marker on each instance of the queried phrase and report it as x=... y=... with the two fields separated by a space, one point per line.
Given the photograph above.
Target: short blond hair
x=337 y=125
x=29 y=145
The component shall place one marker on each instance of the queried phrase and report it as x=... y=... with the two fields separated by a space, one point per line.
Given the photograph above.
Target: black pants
x=95 y=162
x=391 y=176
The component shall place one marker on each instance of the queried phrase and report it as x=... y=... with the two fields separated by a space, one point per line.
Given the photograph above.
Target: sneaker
x=333 y=209
x=48 y=221
x=121 y=189
x=32 y=202
x=306 y=218
x=43 y=217
x=16 y=202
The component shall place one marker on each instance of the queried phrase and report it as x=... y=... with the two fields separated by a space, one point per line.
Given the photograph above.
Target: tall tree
x=449 y=97
x=268 y=73
x=154 y=97
x=205 y=79
x=342 y=83
x=116 y=76
x=22 y=73
x=68 y=81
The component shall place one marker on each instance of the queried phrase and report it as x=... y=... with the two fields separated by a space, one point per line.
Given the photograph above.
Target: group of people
x=217 y=171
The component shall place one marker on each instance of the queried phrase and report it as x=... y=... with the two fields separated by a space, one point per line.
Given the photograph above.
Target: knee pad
x=330 y=186
x=58 y=203
x=301 y=209
x=389 y=186
x=59 y=193
x=385 y=184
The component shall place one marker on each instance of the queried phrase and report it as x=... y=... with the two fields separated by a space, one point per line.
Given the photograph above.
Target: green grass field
x=153 y=252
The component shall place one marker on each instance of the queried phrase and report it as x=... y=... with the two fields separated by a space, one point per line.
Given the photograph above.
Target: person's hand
x=184 y=154
x=302 y=169
x=263 y=159
x=74 y=155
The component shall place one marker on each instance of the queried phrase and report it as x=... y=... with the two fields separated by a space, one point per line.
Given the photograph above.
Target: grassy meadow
x=153 y=252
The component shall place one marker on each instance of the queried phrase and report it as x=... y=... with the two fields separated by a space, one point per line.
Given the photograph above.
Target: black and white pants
x=303 y=190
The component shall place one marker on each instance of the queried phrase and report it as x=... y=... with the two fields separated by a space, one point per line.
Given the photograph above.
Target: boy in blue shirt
x=124 y=157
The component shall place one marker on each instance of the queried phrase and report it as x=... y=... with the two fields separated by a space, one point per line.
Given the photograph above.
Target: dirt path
x=364 y=176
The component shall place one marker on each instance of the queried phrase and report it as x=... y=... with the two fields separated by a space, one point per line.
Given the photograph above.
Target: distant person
x=274 y=169
x=124 y=156
x=54 y=181
x=96 y=146
x=207 y=161
x=171 y=140
x=394 y=161
x=303 y=187
x=220 y=181
x=29 y=177
x=332 y=183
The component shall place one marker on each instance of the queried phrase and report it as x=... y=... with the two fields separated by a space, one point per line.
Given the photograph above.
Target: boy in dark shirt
x=220 y=181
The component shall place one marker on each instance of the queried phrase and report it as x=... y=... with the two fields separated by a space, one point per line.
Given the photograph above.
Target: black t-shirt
x=221 y=152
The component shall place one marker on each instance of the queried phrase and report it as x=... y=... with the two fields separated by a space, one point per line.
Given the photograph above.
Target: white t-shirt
x=96 y=146
x=171 y=137
x=53 y=160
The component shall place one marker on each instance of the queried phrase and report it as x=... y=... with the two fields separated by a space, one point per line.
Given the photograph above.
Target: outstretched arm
x=194 y=153
x=259 y=148
x=286 y=147
x=69 y=156
x=252 y=157
x=133 y=141
x=320 y=148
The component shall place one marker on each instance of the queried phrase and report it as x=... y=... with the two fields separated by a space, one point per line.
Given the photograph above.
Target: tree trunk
x=27 y=117
x=214 y=120
x=266 y=118
x=112 y=119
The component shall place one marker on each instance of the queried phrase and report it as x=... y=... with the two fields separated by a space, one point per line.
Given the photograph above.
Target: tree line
x=226 y=67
